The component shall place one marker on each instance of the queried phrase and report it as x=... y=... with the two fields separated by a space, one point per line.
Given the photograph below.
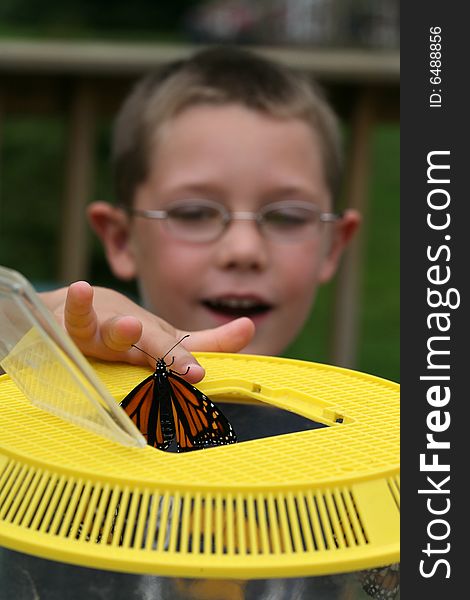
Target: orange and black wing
x=197 y=420
x=145 y=405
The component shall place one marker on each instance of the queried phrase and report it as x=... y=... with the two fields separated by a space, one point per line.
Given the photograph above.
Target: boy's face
x=243 y=160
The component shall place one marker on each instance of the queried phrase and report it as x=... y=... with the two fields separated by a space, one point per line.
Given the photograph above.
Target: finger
x=79 y=316
x=171 y=346
x=231 y=337
x=120 y=333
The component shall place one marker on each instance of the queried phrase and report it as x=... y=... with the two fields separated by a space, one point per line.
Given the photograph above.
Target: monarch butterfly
x=164 y=407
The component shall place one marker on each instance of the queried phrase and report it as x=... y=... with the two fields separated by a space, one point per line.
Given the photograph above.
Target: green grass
x=380 y=319
x=31 y=187
x=30 y=192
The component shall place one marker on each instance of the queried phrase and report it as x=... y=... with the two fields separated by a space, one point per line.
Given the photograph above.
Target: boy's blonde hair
x=217 y=76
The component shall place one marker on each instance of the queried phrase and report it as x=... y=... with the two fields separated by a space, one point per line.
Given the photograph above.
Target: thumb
x=231 y=337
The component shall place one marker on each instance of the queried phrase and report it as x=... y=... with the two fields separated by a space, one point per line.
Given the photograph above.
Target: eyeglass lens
x=280 y=221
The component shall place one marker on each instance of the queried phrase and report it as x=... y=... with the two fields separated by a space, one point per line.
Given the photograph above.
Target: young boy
x=227 y=167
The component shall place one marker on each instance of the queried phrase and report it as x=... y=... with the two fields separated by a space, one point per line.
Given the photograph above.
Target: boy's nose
x=242 y=246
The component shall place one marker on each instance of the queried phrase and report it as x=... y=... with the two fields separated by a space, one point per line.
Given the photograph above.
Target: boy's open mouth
x=237 y=307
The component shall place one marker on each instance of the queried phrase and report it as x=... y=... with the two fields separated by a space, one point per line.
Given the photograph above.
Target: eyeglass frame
x=229 y=216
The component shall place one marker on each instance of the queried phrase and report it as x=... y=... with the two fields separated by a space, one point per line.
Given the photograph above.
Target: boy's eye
x=289 y=217
x=193 y=213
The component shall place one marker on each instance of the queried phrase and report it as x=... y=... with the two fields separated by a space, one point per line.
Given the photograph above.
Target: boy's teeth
x=235 y=303
x=237 y=306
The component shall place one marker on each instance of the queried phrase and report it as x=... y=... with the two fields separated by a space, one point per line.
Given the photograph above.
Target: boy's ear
x=111 y=225
x=344 y=230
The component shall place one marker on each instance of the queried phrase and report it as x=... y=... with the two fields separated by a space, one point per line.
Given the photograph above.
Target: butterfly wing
x=148 y=407
x=198 y=422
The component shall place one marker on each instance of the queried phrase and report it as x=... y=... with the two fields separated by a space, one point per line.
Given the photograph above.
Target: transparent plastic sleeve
x=50 y=370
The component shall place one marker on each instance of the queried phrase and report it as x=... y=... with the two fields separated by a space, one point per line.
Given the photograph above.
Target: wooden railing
x=87 y=80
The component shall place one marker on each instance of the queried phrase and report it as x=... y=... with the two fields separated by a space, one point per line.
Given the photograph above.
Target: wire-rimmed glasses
x=206 y=221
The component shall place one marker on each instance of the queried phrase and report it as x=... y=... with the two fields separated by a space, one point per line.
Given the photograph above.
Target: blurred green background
x=379 y=319
x=32 y=166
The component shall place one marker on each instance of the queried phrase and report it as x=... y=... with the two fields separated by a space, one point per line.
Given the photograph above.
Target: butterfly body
x=165 y=407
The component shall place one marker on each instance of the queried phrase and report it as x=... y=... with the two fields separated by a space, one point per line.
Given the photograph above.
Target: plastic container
x=313 y=513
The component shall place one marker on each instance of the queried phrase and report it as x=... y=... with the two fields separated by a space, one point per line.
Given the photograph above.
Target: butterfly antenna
x=177 y=343
x=156 y=359
x=134 y=346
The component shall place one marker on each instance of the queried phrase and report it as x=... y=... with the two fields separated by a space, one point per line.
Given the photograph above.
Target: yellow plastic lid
x=308 y=503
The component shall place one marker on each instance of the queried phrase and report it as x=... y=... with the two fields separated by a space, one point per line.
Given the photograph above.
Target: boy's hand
x=104 y=324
